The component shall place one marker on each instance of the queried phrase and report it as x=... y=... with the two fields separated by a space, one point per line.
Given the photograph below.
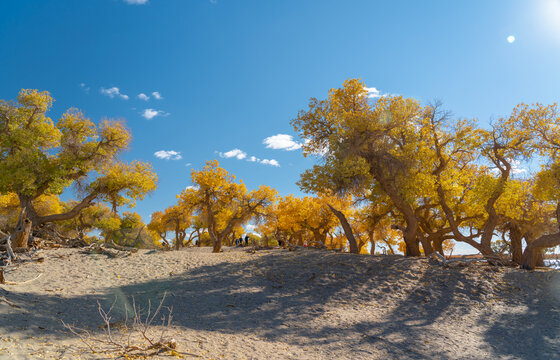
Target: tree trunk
x=319 y=237
x=371 y=241
x=534 y=248
x=361 y=246
x=347 y=230
x=216 y=241
x=299 y=239
x=178 y=239
x=411 y=241
x=438 y=245
x=426 y=245
x=515 y=240
x=23 y=230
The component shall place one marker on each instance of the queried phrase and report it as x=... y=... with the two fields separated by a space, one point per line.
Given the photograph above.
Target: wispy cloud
x=149 y=114
x=84 y=87
x=113 y=92
x=143 y=96
x=157 y=95
x=240 y=155
x=193 y=187
x=270 y=162
x=168 y=155
x=281 y=142
x=136 y=2
x=236 y=153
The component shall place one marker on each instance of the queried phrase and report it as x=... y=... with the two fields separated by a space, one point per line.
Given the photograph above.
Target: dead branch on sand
x=111 y=249
x=6 y=245
x=5 y=282
x=4 y=300
x=136 y=337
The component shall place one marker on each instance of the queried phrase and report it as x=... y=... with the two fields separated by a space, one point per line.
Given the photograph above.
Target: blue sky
x=232 y=73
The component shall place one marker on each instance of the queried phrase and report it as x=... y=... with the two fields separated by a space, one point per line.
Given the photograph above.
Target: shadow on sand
x=290 y=297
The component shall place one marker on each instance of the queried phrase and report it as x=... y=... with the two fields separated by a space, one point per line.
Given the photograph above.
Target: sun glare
x=550 y=13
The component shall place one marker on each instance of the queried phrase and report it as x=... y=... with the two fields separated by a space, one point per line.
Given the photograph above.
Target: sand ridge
x=280 y=304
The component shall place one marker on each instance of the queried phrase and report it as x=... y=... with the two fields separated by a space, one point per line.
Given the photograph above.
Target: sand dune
x=279 y=304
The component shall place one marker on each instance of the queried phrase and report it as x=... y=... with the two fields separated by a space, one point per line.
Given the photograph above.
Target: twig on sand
x=3 y=299
x=139 y=330
x=4 y=282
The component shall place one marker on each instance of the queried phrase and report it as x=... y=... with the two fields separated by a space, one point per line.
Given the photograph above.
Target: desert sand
x=280 y=304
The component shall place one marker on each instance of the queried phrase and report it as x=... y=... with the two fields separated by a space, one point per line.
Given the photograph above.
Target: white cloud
x=237 y=153
x=372 y=92
x=188 y=164
x=149 y=114
x=168 y=155
x=136 y=2
x=270 y=162
x=193 y=187
x=143 y=96
x=240 y=155
x=84 y=87
x=157 y=95
x=281 y=141
x=516 y=168
x=112 y=92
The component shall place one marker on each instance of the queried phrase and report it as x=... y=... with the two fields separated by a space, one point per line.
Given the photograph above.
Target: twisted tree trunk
x=354 y=249
x=23 y=230
x=533 y=249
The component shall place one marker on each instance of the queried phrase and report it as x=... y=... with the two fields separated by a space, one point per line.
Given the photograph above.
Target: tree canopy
x=40 y=157
x=443 y=177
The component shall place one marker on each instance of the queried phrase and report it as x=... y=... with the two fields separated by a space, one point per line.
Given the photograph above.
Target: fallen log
x=110 y=249
x=112 y=245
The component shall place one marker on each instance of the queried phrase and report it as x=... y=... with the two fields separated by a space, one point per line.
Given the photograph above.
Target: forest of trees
x=391 y=174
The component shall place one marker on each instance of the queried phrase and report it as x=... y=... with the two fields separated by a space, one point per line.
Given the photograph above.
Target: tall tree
x=41 y=157
x=361 y=143
x=223 y=202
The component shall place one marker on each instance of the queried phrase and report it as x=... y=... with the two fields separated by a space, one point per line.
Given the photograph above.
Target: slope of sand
x=279 y=304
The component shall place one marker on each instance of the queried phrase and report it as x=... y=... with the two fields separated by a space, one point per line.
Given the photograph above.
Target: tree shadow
x=411 y=329
x=531 y=327
x=265 y=296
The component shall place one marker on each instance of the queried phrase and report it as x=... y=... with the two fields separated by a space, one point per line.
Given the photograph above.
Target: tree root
x=4 y=282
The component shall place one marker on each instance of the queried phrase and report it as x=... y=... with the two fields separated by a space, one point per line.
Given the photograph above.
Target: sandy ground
x=279 y=304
